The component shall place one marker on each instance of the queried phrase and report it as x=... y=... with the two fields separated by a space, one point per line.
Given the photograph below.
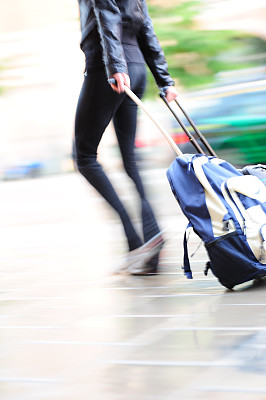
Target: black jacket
x=111 y=18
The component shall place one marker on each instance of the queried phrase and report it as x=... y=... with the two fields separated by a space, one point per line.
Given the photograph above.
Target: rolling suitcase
x=225 y=208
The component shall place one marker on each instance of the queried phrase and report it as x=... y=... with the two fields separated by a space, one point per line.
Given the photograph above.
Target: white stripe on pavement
x=215 y=328
x=157 y=363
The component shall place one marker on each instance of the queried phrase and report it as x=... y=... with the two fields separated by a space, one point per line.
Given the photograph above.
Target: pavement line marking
x=150 y=287
x=202 y=279
x=13 y=291
x=29 y=380
x=243 y=304
x=55 y=342
x=141 y=287
x=180 y=273
x=137 y=288
x=157 y=363
x=51 y=306
x=61 y=284
x=231 y=389
x=144 y=316
x=215 y=328
x=33 y=298
x=182 y=295
x=31 y=327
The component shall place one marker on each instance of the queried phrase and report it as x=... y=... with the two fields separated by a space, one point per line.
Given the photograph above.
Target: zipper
x=262 y=253
x=239 y=216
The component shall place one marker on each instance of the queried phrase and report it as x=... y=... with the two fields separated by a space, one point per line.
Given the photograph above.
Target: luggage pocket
x=230 y=261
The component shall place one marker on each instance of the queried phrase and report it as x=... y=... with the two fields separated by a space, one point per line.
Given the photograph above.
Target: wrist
x=164 y=88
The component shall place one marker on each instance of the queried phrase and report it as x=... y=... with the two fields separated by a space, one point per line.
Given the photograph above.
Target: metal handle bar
x=190 y=136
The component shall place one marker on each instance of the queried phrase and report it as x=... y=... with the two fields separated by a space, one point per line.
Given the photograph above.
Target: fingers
x=126 y=80
x=121 y=80
x=171 y=93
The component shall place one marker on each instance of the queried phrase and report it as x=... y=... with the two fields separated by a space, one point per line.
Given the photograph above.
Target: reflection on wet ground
x=69 y=330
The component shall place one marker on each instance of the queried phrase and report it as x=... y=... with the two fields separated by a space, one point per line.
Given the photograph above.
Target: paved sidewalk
x=71 y=331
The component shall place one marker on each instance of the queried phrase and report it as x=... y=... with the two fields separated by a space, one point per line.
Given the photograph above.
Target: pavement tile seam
x=160 y=363
x=29 y=380
x=226 y=389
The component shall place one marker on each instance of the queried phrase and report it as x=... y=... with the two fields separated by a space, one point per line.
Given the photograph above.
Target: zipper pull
x=245 y=228
x=262 y=254
x=225 y=226
x=262 y=258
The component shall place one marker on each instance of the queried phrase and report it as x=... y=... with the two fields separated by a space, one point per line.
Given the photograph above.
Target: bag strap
x=186 y=263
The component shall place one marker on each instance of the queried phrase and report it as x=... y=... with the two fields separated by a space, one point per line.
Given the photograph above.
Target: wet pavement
x=71 y=331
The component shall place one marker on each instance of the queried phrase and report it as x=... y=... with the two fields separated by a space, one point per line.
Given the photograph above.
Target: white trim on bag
x=214 y=204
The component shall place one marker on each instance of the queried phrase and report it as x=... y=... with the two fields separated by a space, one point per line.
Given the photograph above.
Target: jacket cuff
x=116 y=68
x=164 y=88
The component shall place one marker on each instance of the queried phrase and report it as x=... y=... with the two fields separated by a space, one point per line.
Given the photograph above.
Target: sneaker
x=149 y=257
x=148 y=268
x=140 y=261
x=134 y=257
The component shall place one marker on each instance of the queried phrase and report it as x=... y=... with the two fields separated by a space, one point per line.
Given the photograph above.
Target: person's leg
x=96 y=105
x=125 y=119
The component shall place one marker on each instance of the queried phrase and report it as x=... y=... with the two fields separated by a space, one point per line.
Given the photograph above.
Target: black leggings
x=97 y=105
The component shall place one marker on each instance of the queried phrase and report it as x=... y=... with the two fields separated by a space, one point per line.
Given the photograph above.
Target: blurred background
x=217 y=58
x=68 y=329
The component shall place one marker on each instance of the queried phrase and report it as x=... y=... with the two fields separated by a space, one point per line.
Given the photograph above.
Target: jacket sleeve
x=152 y=51
x=109 y=24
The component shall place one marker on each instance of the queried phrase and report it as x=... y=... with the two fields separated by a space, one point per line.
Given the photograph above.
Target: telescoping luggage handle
x=144 y=108
x=192 y=124
x=165 y=134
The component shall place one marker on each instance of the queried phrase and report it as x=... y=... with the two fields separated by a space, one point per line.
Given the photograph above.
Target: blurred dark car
x=233 y=120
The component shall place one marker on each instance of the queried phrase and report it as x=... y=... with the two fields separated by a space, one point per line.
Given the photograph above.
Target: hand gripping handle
x=144 y=108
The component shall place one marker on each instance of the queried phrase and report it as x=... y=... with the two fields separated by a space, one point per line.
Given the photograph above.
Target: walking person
x=118 y=40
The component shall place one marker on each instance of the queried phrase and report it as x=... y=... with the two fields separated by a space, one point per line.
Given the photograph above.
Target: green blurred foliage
x=195 y=56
